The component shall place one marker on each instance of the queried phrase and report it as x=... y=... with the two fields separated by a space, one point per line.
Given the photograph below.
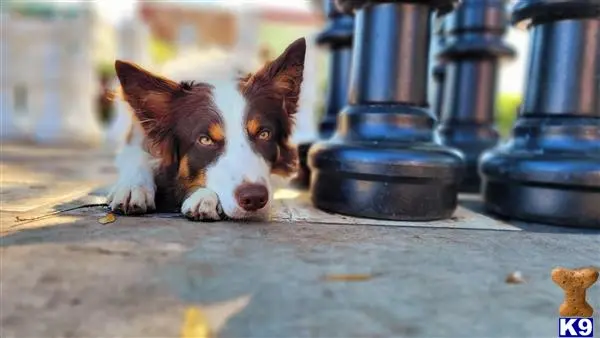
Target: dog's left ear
x=150 y=97
x=284 y=75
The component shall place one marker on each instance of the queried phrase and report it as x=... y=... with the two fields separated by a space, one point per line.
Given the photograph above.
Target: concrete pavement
x=70 y=276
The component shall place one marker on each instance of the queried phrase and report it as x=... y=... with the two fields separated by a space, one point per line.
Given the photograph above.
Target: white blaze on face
x=238 y=163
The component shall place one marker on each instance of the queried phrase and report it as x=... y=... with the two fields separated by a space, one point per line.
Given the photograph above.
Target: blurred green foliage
x=506 y=112
x=161 y=51
x=106 y=70
x=278 y=36
x=41 y=9
x=321 y=97
x=104 y=105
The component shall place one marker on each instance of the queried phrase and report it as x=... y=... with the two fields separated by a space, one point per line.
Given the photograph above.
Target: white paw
x=132 y=198
x=202 y=205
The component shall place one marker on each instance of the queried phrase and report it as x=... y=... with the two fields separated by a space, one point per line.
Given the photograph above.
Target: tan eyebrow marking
x=216 y=132
x=252 y=126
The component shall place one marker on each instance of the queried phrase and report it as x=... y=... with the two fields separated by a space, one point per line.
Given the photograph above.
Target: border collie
x=204 y=151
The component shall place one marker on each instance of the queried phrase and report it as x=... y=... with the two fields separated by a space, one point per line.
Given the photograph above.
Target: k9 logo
x=575 y=327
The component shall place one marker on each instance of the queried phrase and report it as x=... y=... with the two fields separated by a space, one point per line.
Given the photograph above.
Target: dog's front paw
x=202 y=205
x=132 y=198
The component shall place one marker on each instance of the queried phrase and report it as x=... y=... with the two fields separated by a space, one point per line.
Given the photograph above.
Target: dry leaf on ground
x=357 y=277
x=195 y=324
x=207 y=321
x=109 y=218
x=515 y=278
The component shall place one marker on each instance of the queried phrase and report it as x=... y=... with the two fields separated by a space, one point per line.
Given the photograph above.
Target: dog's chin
x=247 y=216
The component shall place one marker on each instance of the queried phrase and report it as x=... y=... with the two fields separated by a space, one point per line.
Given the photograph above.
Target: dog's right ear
x=150 y=97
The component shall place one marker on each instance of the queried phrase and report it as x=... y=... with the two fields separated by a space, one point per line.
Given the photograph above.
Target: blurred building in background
x=58 y=58
x=48 y=72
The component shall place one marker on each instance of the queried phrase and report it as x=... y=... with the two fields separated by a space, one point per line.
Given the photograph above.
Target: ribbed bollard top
x=532 y=11
x=339 y=29
x=477 y=27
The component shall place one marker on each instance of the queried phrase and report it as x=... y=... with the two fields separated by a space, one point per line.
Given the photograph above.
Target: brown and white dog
x=208 y=152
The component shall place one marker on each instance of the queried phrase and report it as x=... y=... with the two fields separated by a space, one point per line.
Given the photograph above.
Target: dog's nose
x=252 y=197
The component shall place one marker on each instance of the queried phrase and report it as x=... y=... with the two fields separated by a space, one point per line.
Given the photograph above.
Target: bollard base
x=406 y=182
x=472 y=140
x=532 y=202
x=553 y=178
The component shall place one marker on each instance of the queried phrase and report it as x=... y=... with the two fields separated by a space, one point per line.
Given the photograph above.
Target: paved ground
x=70 y=276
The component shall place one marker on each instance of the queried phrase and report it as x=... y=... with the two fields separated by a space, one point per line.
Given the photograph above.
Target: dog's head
x=229 y=137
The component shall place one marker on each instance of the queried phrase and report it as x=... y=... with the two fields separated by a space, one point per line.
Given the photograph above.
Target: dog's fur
x=208 y=152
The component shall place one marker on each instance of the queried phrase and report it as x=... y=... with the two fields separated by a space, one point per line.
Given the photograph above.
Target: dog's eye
x=205 y=141
x=264 y=135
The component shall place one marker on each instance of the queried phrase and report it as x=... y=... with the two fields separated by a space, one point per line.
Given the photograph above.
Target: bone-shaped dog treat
x=575 y=284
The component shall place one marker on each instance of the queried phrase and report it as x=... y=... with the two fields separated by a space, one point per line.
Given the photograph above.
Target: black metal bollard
x=382 y=161
x=549 y=171
x=337 y=36
x=475 y=30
